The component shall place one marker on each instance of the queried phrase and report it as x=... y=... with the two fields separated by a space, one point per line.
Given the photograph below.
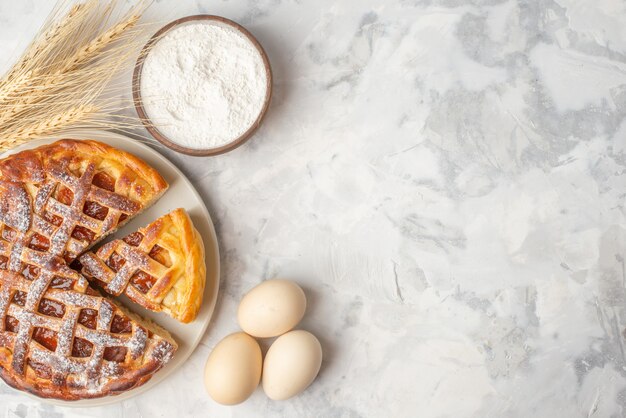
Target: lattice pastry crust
x=161 y=266
x=59 y=337
x=64 y=197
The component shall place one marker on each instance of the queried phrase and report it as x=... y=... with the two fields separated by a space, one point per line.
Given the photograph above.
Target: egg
x=271 y=308
x=291 y=364
x=233 y=369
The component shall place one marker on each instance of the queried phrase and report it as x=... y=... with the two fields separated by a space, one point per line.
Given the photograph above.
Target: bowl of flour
x=202 y=85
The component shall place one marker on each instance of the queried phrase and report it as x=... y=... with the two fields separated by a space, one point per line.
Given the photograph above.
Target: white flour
x=203 y=85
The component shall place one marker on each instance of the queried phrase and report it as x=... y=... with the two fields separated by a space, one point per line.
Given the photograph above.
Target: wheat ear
x=42 y=43
x=45 y=127
x=62 y=79
x=91 y=50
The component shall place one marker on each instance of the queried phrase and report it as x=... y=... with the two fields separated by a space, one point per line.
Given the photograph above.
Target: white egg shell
x=271 y=308
x=291 y=364
x=233 y=369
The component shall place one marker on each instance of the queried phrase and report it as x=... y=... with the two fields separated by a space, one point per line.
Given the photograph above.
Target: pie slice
x=161 y=266
x=62 y=198
x=60 y=339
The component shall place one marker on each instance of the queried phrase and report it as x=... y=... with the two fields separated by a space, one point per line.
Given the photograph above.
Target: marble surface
x=445 y=178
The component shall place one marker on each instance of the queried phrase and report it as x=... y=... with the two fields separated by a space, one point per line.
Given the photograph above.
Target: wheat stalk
x=41 y=43
x=59 y=81
x=8 y=90
x=91 y=50
x=48 y=126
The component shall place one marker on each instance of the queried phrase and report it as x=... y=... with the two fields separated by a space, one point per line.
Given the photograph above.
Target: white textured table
x=447 y=183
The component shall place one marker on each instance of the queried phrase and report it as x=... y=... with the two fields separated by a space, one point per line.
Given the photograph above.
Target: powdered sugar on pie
x=59 y=337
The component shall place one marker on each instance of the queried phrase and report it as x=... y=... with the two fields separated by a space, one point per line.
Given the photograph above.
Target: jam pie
x=161 y=266
x=59 y=337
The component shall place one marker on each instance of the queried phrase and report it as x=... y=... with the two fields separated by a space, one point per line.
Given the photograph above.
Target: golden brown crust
x=195 y=269
x=29 y=166
x=177 y=267
x=45 y=389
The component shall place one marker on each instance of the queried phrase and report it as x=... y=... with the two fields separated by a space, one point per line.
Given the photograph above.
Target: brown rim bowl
x=145 y=120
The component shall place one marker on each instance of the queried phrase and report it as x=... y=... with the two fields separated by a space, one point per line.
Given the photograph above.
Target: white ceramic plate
x=181 y=193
